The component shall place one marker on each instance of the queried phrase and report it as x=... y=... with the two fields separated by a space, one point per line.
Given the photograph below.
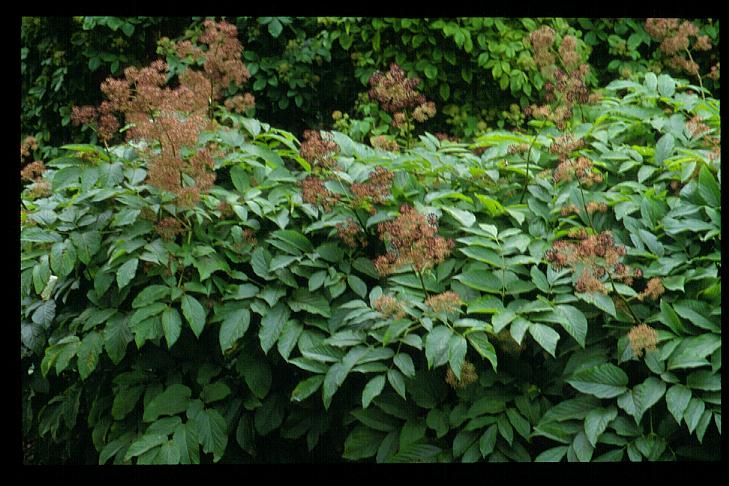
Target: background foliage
x=257 y=333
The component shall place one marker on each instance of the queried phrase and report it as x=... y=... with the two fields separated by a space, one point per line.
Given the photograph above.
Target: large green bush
x=480 y=71
x=254 y=326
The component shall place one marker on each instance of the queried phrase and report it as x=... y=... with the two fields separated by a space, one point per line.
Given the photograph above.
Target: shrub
x=554 y=297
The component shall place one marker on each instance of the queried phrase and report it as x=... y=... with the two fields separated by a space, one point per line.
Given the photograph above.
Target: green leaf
x=437 y=346
x=457 y=347
x=666 y=85
x=88 y=353
x=171 y=325
x=125 y=400
x=257 y=374
x=87 y=244
x=397 y=381
x=677 y=399
x=306 y=387
x=466 y=218
x=372 y=389
x=637 y=401
x=487 y=442
x=555 y=454
x=603 y=381
x=708 y=188
x=692 y=351
x=233 y=328
x=314 y=303
x=211 y=431
x=194 y=312
x=582 y=447
x=272 y=324
x=693 y=413
x=144 y=444
x=405 y=363
x=671 y=319
x=171 y=401
x=601 y=301
x=63 y=258
x=213 y=392
x=545 y=336
x=597 y=421
x=149 y=295
x=361 y=443
x=357 y=284
x=480 y=342
x=664 y=148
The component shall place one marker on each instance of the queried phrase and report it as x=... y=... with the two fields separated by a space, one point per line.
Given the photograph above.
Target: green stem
x=698 y=74
x=422 y=284
x=526 y=177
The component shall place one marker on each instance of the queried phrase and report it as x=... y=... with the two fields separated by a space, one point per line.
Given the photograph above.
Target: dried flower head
x=414 y=241
x=321 y=153
x=642 y=338
x=569 y=209
x=33 y=171
x=240 y=103
x=168 y=228
x=377 y=189
x=653 y=290
x=446 y=302
x=468 y=376
x=352 y=234
x=383 y=142
x=424 y=112
x=593 y=207
x=313 y=191
x=581 y=168
x=394 y=91
x=388 y=306
x=27 y=146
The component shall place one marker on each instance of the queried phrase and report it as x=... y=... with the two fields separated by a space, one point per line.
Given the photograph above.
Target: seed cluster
x=581 y=168
x=168 y=228
x=468 y=376
x=653 y=290
x=351 y=233
x=319 y=152
x=675 y=37
x=446 y=302
x=414 y=241
x=383 y=142
x=388 y=306
x=313 y=191
x=376 y=190
x=396 y=93
x=600 y=256
x=642 y=338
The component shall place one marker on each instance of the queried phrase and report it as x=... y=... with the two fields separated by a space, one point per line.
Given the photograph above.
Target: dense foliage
x=213 y=289
x=480 y=72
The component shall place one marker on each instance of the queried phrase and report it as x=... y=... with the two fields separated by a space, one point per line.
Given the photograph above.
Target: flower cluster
x=376 y=189
x=168 y=228
x=468 y=376
x=564 y=145
x=388 y=306
x=33 y=172
x=446 y=302
x=351 y=233
x=653 y=290
x=414 y=241
x=675 y=37
x=319 y=152
x=27 y=147
x=600 y=256
x=593 y=207
x=394 y=91
x=313 y=191
x=565 y=86
x=102 y=120
x=642 y=338
x=582 y=168
x=240 y=103
x=221 y=60
x=424 y=112
x=383 y=142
